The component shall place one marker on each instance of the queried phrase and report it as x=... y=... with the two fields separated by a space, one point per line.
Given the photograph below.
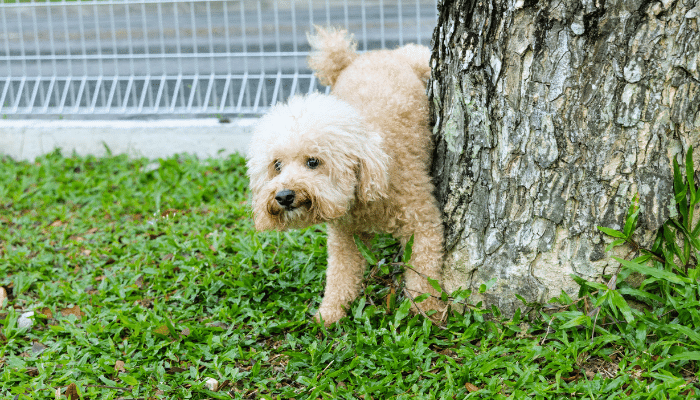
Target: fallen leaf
x=169 y=212
x=155 y=235
x=75 y=310
x=86 y=252
x=72 y=392
x=56 y=223
x=145 y=303
x=119 y=366
x=46 y=312
x=90 y=289
x=471 y=387
x=92 y=230
x=77 y=238
x=3 y=297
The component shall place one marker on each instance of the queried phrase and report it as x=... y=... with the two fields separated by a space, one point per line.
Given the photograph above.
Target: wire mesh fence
x=130 y=58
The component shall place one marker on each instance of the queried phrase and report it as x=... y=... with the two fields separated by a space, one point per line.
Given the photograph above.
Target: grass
x=147 y=278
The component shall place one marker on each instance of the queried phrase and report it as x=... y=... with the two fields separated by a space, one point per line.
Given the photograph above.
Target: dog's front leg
x=346 y=267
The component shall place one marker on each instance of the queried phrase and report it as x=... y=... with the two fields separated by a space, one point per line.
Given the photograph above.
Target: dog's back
x=388 y=87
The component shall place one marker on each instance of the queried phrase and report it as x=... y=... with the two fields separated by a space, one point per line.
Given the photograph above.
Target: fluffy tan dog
x=357 y=160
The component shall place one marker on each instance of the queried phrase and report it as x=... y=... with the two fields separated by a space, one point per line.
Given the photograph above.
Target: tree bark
x=549 y=116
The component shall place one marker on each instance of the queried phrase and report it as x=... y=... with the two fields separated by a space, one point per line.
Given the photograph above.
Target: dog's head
x=311 y=160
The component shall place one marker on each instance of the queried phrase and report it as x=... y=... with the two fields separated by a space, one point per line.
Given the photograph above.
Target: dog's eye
x=278 y=166
x=312 y=163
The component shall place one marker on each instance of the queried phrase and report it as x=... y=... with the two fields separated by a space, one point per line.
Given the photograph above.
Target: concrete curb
x=28 y=139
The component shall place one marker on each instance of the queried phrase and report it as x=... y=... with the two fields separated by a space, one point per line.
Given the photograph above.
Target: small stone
x=211 y=384
x=37 y=348
x=25 y=321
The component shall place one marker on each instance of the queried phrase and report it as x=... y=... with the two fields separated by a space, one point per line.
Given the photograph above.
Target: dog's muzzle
x=285 y=198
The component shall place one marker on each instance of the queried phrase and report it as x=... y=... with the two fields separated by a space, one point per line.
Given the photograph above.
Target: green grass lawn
x=146 y=279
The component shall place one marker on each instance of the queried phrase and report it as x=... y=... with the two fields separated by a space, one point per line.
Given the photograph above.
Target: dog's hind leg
x=346 y=267
x=426 y=258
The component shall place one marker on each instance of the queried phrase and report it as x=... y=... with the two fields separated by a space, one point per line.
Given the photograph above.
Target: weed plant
x=130 y=279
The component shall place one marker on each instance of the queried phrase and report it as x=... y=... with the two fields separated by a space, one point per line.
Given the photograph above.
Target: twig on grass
x=548 y=330
x=410 y=297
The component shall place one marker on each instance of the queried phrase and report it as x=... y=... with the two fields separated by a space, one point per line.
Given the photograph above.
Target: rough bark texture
x=548 y=117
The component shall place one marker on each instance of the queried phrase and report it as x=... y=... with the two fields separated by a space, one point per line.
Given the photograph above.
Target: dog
x=358 y=160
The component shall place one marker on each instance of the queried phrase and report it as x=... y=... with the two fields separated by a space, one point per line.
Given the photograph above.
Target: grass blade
x=686 y=356
x=678 y=188
x=655 y=272
x=619 y=302
x=365 y=251
x=408 y=250
x=694 y=336
x=612 y=232
x=632 y=216
x=689 y=175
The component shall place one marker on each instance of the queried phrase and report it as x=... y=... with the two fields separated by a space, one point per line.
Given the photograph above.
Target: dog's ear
x=373 y=171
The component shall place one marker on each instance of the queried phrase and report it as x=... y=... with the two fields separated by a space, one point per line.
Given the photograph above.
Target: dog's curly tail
x=332 y=51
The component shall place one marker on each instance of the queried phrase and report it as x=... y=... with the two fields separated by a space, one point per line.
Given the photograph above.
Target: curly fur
x=333 y=50
x=373 y=146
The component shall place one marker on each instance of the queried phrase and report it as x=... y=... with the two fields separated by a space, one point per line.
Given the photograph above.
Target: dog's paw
x=330 y=315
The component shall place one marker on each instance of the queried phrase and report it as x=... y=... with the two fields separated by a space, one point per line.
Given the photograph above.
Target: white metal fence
x=117 y=58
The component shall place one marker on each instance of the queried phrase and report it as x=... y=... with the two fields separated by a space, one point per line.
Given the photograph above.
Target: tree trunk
x=549 y=116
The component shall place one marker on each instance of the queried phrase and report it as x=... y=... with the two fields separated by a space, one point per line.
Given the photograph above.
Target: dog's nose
x=285 y=197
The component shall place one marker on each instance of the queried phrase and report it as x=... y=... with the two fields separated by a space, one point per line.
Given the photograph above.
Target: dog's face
x=310 y=161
